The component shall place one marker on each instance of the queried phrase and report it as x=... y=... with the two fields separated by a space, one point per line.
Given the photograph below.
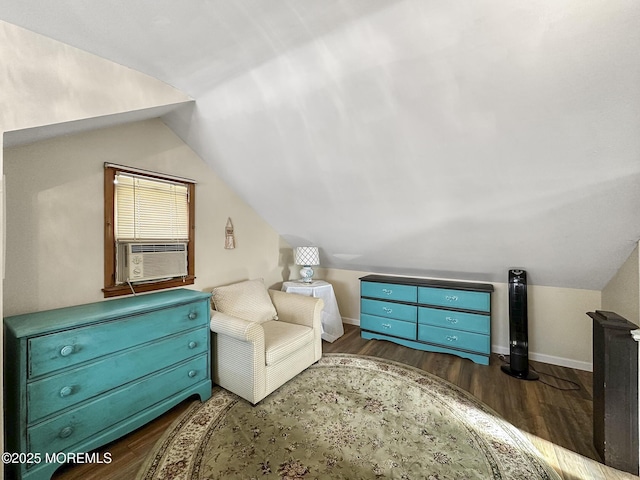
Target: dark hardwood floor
x=555 y=412
x=558 y=410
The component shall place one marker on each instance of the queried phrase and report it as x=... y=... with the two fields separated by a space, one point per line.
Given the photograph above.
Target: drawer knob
x=193 y=316
x=65 y=432
x=192 y=373
x=387 y=291
x=66 y=350
x=452 y=320
x=451 y=298
x=193 y=345
x=386 y=325
x=452 y=338
x=387 y=309
x=66 y=391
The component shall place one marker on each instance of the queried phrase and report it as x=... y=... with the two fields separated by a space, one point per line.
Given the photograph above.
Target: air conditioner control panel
x=136 y=267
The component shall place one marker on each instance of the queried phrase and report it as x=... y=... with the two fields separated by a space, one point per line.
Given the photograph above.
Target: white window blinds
x=150 y=209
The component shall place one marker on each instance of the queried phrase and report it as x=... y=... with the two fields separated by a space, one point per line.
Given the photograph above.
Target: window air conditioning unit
x=139 y=262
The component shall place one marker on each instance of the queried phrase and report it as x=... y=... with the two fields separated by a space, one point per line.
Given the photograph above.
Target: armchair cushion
x=248 y=300
x=281 y=339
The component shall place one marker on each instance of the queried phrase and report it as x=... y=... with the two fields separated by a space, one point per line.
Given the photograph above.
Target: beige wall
x=559 y=329
x=622 y=293
x=55 y=216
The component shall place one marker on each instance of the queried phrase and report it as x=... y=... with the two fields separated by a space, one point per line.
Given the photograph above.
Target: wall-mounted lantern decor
x=229 y=239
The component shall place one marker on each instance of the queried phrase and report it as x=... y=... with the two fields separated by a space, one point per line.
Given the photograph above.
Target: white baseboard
x=550 y=359
x=538 y=357
x=351 y=321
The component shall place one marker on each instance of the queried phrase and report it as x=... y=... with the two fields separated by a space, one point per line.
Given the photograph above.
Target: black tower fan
x=518 y=328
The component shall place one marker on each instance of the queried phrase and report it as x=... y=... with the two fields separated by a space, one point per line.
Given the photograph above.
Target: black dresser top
x=428 y=282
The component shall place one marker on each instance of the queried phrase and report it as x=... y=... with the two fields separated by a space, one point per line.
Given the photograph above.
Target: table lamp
x=306 y=256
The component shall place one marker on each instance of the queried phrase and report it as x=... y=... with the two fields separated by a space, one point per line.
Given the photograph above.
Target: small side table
x=332 y=327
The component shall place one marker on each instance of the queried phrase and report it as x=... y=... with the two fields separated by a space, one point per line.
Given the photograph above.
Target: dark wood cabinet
x=615 y=391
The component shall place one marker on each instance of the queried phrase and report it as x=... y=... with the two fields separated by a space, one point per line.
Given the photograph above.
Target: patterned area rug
x=346 y=417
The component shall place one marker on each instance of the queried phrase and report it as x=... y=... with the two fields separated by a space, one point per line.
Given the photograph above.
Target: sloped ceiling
x=439 y=138
x=49 y=88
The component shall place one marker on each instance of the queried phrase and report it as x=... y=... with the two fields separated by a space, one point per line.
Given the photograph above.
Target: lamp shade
x=307 y=256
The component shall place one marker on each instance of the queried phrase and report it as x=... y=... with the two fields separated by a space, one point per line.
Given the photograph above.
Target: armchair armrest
x=234 y=327
x=299 y=309
x=240 y=364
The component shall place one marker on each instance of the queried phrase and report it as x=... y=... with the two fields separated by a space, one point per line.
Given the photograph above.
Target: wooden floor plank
x=557 y=421
x=556 y=418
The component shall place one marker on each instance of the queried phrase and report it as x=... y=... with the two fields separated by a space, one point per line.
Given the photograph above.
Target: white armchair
x=263 y=338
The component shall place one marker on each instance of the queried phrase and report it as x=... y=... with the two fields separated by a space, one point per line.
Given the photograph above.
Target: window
x=149 y=239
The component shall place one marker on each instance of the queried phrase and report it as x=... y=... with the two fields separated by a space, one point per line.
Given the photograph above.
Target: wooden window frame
x=111 y=289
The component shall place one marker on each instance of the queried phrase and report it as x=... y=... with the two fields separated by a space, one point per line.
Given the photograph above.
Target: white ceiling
x=438 y=138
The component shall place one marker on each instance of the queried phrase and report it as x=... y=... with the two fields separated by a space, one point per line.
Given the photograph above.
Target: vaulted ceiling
x=439 y=138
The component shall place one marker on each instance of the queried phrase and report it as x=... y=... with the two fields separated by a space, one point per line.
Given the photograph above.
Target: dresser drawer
x=463 y=299
x=399 y=311
x=474 y=342
x=471 y=322
x=57 y=392
x=389 y=291
x=87 y=419
x=397 y=328
x=52 y=352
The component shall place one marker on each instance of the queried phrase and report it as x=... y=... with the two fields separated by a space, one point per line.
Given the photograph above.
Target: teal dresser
x=77 y=378
x=431 y=315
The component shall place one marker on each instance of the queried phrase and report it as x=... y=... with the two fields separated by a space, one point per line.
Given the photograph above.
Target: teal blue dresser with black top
x=77 y=378
x=431 y=315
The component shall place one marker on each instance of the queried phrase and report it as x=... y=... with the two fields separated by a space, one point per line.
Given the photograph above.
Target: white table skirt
x=332 y=327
